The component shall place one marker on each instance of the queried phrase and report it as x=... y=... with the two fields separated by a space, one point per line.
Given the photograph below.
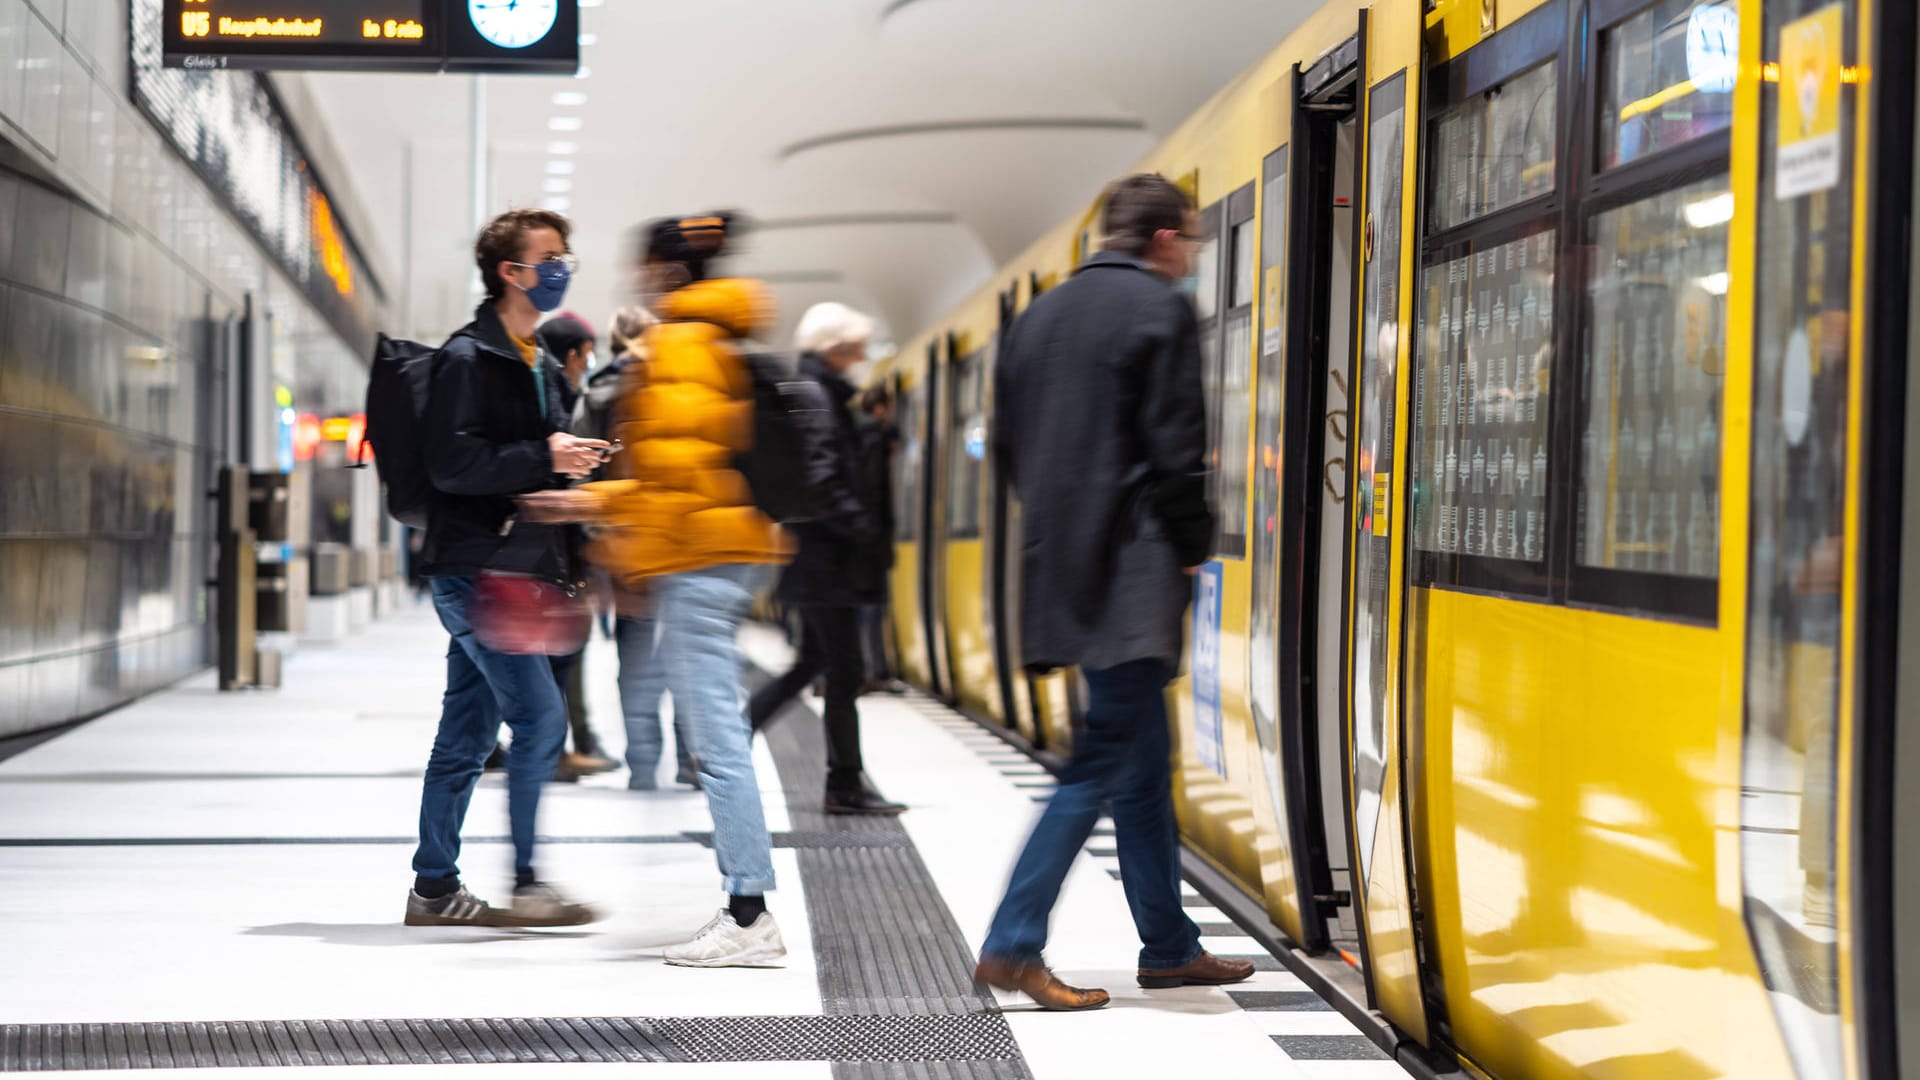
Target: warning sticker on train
x=1808 y=136
x=1208 y=743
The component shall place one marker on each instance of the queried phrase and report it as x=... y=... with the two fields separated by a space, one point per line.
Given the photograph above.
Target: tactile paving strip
x=883 y=937
x=851 y=1039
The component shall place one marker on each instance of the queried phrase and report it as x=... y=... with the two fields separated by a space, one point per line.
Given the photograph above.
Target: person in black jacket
x=878 y=436
x=1100 y=424
x=841 y=564
x=495 y=430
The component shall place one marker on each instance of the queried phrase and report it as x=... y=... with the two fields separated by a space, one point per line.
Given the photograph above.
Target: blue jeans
x=699 y=613
x=643 y=680
x=1122 y=759
x=485 y=688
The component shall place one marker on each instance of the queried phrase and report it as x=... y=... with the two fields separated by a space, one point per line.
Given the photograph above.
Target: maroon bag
x=522 y=615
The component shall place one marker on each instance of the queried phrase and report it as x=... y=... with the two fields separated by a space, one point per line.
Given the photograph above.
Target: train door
x=932 y=524
x=1002 y=582
x=1302 y=407
x=907 y=594
x=972 y=677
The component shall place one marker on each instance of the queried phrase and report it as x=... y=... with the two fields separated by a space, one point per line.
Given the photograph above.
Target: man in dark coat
x=1101 y=427
x=840 y=566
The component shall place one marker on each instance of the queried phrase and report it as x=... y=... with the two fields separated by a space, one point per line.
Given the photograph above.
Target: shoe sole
x=751 y=960
x=985 y=989
x=1174 y=982
x=848 y=811
x=524 y=922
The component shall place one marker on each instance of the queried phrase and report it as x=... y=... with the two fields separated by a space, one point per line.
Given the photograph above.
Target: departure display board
x=371 y=35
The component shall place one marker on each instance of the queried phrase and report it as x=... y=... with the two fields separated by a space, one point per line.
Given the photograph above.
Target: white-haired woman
x=840 y=566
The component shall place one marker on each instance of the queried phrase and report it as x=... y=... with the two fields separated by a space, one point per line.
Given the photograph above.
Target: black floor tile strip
x=1279 y=1001
x=1329 y=1048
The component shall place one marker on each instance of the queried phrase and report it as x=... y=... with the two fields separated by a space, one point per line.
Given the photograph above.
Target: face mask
x=552 y=288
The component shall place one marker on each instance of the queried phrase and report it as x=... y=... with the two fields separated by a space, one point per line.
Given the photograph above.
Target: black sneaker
x=457 y=908
x=862 y=800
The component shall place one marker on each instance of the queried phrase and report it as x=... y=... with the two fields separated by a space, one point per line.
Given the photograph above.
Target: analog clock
x=513 y=24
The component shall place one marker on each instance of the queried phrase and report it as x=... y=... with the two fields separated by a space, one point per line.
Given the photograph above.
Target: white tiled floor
x=273 y=927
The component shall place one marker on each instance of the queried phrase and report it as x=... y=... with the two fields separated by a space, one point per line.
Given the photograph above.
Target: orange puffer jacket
x=678 y=503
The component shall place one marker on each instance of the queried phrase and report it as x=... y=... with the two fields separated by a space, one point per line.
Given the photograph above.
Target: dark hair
x=693 y=242
x=562 y=334
x=1140 y=206
x=504 y=237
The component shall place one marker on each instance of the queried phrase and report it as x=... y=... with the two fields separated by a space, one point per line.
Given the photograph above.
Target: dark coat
x=1100 y=423
x=877 y=442
x=842 y=558
x=486 y=442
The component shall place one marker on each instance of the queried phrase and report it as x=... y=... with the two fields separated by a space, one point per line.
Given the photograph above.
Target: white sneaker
x=725 y=943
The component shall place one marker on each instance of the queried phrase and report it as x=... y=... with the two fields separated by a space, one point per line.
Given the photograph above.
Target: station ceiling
x=893 y=151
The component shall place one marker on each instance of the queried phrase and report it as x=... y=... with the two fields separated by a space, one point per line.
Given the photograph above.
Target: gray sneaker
x=457 y=908
x=540 y=904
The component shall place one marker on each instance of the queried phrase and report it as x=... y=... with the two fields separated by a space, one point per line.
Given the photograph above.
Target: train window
x=1235 y=388
x=1373 y=451
x=1495 y=149
x=906 y=468
x=1263 y=658
x=1667 y=77
x=1480 y=402
x=1797 y=514
x=1654 y=368
x=966 y=445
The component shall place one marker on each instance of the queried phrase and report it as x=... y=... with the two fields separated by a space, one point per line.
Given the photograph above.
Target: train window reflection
x=1668 y=77
x=906 y=468
x=1496 y=149
x=1650 y=445
x=1802 y=362
x=966 y=446
x=1480 y=402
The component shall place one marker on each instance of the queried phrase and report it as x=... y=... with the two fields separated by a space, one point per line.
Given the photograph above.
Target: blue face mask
x=554 y=277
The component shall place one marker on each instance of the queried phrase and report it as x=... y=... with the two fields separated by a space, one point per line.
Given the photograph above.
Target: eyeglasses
x=566 y=259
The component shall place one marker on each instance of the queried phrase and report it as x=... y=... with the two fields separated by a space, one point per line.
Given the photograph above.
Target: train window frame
x=1233 y=387
x=1570 y=32
x=1536 y=39
x=911 y=401
x=966 y=405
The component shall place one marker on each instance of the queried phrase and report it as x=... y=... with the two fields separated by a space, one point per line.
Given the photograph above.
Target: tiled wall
x=115 y=261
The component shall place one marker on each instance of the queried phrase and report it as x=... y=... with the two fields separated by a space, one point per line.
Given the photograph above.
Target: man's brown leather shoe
x=1038 y=983
x=1203 y=970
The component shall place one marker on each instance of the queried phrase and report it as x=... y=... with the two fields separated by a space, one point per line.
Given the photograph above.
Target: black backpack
x=397 y=387
x=791 y=425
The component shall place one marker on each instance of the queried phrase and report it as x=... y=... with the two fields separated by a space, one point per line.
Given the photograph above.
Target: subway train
x=1545 y=688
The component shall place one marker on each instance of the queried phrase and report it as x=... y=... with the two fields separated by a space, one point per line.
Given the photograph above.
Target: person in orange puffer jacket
x=678 y=515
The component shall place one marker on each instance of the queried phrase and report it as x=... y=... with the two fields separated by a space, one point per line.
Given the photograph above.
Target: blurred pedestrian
x=494 y=430
x=841 y=564
x=643 y=681
x=679 y=514
x=1101 y=427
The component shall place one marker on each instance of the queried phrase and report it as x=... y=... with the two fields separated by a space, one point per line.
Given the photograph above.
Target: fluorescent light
x=589 y=39
x=1714 y=283
x=558 y=185
x=563 y=148
x=1709 y=212
x=559 y=168
x=559 y=204
x=569 y=99
x=563 y=123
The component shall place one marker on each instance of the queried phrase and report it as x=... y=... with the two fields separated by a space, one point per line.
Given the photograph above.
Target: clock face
x=513 y=24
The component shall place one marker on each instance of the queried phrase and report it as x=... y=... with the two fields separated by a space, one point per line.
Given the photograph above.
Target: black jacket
x=1101 y=425
x=486 y=441
x=876 y=441
x=842 y=553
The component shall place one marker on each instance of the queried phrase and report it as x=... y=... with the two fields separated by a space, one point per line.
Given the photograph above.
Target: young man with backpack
x=491 y=430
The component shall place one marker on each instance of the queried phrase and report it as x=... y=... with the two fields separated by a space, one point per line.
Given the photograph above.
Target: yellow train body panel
x=975 y=678
x=1573 y=773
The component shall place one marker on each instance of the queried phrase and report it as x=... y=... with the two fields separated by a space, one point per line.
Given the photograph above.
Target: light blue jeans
x=643 y=681
x=699 y=613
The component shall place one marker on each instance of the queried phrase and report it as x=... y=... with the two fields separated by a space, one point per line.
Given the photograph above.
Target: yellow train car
x=1545 y=688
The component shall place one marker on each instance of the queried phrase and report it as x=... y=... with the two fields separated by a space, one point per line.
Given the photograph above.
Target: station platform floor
x=209 y=882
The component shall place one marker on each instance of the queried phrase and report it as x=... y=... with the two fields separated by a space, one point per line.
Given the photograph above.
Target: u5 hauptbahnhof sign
x=528 y=36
